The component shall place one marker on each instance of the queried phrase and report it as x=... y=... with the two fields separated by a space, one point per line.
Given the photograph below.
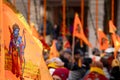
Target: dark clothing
x=56 y=32
x=49 y=28
x=115 y=73
x=76 y=72
x=66 y=62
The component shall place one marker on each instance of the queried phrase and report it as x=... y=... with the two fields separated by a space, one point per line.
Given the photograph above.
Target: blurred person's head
x=97 y=64
x=105 y=62
x=60 y=74
x=115 y=63
x=78 y=54
x=67 y=54
x=97 y=67
x=115 y=71
x=96 y=72
x=96 y=52
x=87 y=61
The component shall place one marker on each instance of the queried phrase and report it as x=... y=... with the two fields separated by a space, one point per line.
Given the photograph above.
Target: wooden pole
x=82 y=18
x=73 y=45
x=28 y=15
x=82 y=12
x=14 y=2
x=112 y=13
x=2 y=56
x=96 y=22
x=64 y=17
x=44 y=32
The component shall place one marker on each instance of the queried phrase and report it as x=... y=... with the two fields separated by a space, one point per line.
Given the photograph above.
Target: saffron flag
x=78 y=31
x=103 y=40
x=36 y=34
x=115 y=38
x=112 y=28
x=53 y=50
x=34 y=65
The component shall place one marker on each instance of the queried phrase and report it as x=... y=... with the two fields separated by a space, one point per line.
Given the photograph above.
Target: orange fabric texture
x=36 y=34
x=10 y=76
x=103 y=40
x=112 y=28
x=116 y=44
x=115 y=38
x=53 y=50
x=33 y=50
x=78 y=31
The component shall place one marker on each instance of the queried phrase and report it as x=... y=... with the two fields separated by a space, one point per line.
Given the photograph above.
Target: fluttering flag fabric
x=53 y=50
x=10 y=76
x=103 y=40
x=78 y=31
x=115 y=38
x=40 y=37
x=34 y=65
x=112 y=27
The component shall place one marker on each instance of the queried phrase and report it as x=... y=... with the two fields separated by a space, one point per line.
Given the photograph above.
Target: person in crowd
x=55 y=31
x=86 y=64
x=115 y=70
x=95 y=54
x=77 y=69
x=110 y=59
x=60 y=74
x=54 y=63
x=65 y=56
x=96 y=72
x=105 y=67
x=80 y=46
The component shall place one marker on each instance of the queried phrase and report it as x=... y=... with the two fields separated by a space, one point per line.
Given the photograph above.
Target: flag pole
x=64 y=17
x=44 y=32
x=28 y=15
x=82 y=18
x=2 y=56
x=112 y=18
x=73 y=45
x=96 y=22
x=112 y=13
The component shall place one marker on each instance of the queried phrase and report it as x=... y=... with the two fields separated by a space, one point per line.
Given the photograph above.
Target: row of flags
x=103 y=40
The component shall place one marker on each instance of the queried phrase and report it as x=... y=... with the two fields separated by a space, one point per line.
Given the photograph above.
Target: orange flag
x=53 y=50
x=116 y=43
x=10 y=76
x=36 y=34
x=115 y=37
x=103 y=40
x=78 y=30
x=112 y=28
x=35 y=65
x=34 y=31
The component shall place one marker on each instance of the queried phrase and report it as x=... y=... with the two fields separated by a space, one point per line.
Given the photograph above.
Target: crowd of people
x=65 y=64
x=82 y=67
